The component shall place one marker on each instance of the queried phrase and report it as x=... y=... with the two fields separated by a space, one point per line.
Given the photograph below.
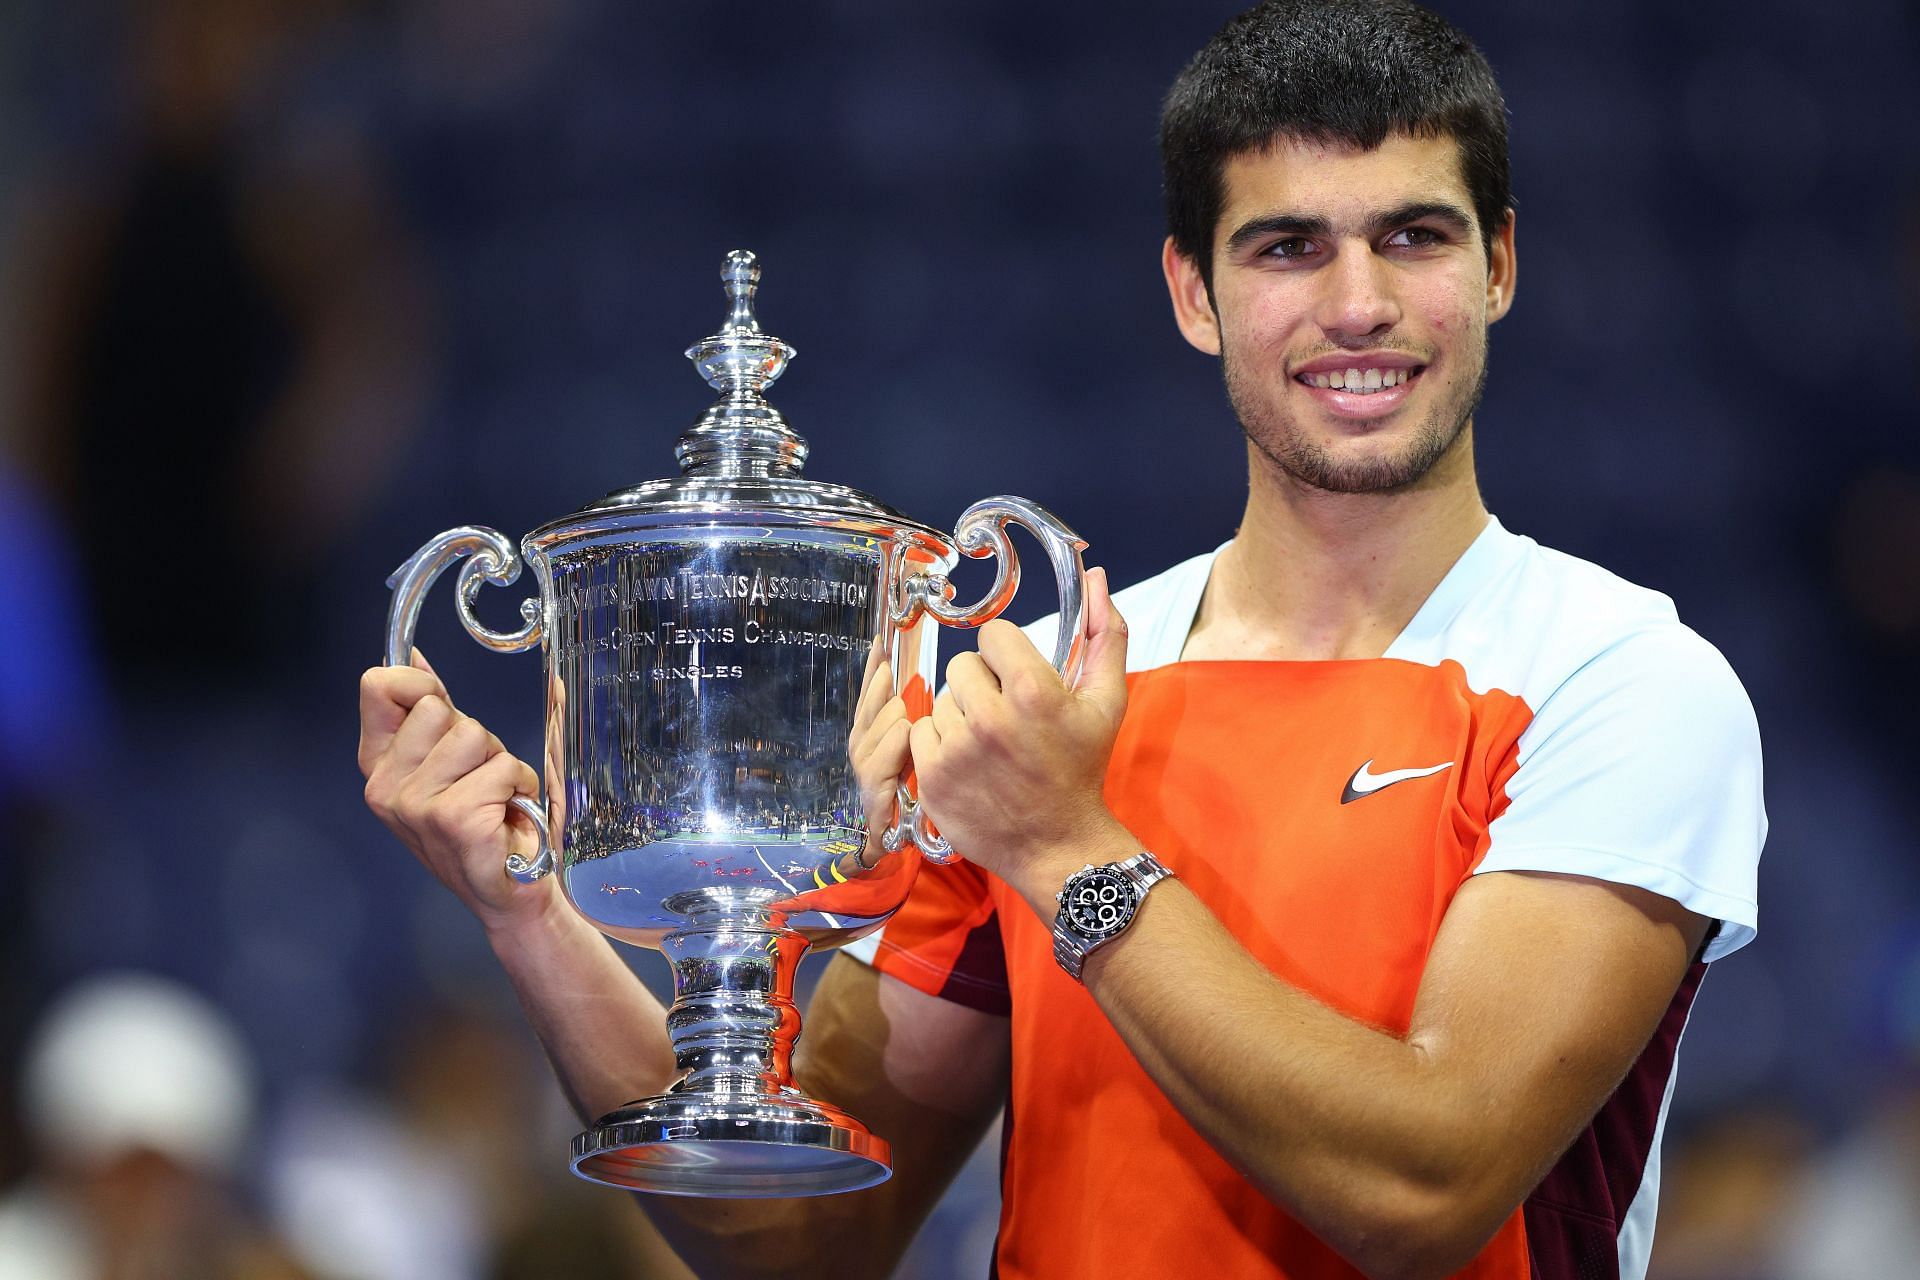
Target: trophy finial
x=741 y=434
x=740 y=360
x=740 y=274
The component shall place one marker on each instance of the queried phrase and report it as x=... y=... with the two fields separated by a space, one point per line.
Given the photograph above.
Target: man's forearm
x=1403 y=1152
x=1352 y=1130
x=603 y=1031
x=1355 y=1132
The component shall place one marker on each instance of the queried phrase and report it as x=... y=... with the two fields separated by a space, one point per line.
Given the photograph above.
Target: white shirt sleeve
x=1642 y=767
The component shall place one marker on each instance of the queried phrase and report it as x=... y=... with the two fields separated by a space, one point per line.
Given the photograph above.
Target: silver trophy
x=705 y=640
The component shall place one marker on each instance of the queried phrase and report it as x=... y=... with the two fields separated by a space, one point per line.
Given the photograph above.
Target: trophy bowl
x=706 y=638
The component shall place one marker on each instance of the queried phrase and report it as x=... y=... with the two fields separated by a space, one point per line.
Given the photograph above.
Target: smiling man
x=1411 y=280
x=1344 y=919
x=1390 y=847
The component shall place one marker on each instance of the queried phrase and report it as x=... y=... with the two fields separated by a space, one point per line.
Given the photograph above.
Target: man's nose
x=1357 y=299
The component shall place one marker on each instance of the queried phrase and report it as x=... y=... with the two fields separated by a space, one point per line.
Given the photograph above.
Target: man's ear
x=1503 y=270
x=1192 y=303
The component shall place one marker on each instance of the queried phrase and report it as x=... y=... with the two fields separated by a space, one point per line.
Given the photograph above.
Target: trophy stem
x=733 y=1019
x=733 y=1123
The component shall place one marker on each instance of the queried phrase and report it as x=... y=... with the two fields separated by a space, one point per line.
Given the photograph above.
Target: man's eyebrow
x=1268 y=224
x=1456 y=218
x=1299 y=224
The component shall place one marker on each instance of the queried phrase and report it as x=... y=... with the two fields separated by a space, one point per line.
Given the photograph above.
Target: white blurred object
x=1858 y=1213
x=40 y=1238
x=358 y=1198
x=129 y=1061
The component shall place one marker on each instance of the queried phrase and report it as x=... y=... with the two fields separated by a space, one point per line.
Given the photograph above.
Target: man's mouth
x=1360 y=380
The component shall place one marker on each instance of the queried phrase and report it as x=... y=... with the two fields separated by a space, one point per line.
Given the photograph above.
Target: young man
x=1416 y=837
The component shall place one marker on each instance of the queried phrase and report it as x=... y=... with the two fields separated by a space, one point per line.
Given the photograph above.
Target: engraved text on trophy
x=714 y=690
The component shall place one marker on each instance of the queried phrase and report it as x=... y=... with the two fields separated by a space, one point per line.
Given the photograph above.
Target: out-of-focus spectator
x=456 y=1171
x=51 y=712
x=138 y=1097
x=1857 y=1212
x=225 y=339
x=217 y=335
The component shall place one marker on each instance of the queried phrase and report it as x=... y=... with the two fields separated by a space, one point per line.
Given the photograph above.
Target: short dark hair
x=1350 y=72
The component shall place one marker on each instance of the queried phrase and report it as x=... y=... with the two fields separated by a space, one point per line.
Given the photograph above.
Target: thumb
x=1104 y=678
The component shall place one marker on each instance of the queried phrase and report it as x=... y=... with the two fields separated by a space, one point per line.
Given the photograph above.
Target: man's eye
x=1291 y=247
x=1417 y=237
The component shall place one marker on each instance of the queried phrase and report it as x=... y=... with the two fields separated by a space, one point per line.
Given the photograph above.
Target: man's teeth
x=1360 y=380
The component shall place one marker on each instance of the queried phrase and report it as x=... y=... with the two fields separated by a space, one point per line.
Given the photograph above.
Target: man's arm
x=1405 y=1153
x=925 y=1074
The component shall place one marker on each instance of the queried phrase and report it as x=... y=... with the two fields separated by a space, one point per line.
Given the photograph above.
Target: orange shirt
x=1326 y=812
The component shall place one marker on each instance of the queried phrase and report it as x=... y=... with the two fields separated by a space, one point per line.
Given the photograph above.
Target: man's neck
x=1313 y=575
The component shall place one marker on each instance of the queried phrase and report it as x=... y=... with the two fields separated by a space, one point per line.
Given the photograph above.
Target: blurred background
x=291 y=286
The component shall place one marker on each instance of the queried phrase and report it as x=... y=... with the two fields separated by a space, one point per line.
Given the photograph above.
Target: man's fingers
x=880 y=779
x=888 y=759
x=970 y=680
x=460 y=750
x=876 y=655
x=495 y=781
x=1006 y=652
x=923 y=743
x=387 y=694
x=866 y=741
x=481 y=797
x=1104 y=677
x=947 y=716
x=1028 y=682
x=429 y=719
x=874 y=693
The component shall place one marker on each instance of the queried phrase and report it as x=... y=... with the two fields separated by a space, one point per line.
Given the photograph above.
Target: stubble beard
x=1279 y=437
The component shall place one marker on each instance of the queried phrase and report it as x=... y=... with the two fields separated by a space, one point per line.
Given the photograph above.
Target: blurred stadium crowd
x=292 y=286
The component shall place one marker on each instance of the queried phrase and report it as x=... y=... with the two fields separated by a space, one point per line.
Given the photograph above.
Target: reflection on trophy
x=705 y=639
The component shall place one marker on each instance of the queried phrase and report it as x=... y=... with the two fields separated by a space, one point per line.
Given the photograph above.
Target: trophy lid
x=740 y=459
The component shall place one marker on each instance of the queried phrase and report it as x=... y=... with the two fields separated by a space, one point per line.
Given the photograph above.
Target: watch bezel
x=1128 y=902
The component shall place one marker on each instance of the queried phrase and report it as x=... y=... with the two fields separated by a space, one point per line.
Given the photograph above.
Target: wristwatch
x=1098 y=903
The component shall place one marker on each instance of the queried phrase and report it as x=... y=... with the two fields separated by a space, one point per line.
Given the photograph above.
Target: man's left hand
x=1012 y=763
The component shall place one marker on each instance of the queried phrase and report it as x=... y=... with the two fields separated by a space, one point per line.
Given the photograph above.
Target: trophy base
x=736 y=1146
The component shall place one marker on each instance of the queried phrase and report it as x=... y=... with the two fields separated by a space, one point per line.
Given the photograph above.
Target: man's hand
x=877 y=747
x=443 y=783
x=1012 y=763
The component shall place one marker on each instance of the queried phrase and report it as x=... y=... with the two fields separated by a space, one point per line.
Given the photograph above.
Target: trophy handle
x=493 y=560
x=982 y=531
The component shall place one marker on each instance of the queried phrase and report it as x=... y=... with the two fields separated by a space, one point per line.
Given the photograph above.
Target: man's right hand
x=443 y=783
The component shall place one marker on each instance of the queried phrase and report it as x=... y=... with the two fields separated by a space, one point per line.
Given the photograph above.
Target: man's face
x=1351 y=298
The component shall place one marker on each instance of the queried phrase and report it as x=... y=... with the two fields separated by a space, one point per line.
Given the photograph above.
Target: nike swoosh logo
x=1364 y=782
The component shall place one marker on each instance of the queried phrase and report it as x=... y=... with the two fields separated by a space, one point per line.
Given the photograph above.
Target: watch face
x=1098 y=903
